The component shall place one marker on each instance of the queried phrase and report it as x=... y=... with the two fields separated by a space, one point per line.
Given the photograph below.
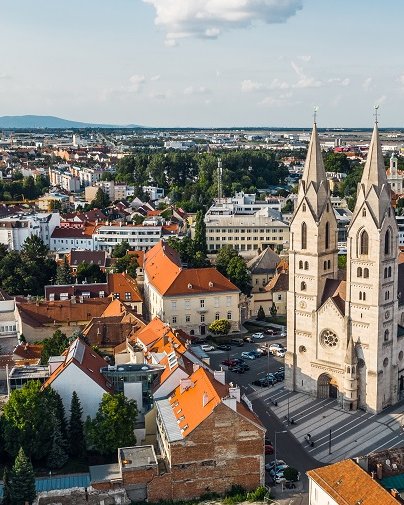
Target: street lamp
x=276 y=433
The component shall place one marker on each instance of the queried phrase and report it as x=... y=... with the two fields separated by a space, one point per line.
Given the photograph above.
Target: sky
x=204 y=63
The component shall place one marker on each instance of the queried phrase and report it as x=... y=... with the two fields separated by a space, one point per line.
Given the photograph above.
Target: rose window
x=329 y=339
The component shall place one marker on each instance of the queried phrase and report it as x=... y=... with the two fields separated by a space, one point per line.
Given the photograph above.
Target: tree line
x=23 y=188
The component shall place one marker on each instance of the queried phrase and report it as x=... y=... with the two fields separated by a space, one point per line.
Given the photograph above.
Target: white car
x=258 y=335
x=280 y=353
x=273 y=348
x=279 y=470
x=207 y=347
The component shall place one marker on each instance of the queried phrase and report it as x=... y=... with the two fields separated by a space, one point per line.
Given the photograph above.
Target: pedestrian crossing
x=336 y=434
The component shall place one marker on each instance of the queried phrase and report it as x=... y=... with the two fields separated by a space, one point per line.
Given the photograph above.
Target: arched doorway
x=327 y=387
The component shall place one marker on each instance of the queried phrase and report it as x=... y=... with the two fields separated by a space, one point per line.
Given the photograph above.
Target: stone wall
x=81 y=497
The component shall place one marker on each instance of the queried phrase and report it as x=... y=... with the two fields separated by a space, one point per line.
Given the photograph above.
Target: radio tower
x=219 y=180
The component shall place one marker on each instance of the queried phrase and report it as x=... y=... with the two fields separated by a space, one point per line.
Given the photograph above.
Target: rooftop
x=137 y=457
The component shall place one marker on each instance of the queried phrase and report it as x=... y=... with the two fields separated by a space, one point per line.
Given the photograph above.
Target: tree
x=238 y=274
x=121 y=249
x=274 y=310
x=128 y=264
x=6 y=488
x=101 y=200
x=90 y=273
x=63 y=275
x=76 y=428
x=22 y=480
x=288 y=207
x=53 y=346
x=261 y=314
x=56 y=408
x=291 y=474
x=223 y=258
x=200 y=234
x=57 y=456
x=113 y=425
x=336 y=162
x=220 y=327
x=34 y=249
x=342 y=261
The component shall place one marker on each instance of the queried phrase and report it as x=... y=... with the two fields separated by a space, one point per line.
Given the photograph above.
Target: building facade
x=344 y=338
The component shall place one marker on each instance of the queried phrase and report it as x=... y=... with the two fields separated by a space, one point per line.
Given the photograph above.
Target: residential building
x=66 y=238
x=8 y=324
x=79 y=369
x=187 y=298
x=76 y=257
x=345 y=339
x=14 y=230
x=262 y=269
x=395 y=177
x=62 y=177
x=139 y=237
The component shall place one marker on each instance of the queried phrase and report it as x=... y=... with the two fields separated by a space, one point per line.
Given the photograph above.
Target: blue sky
x=203 y=62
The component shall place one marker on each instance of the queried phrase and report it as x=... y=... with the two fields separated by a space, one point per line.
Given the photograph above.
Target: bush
x=257 y=495
x=291 y=474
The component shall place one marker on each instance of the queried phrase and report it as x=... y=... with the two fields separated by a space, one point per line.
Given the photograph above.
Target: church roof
x=374 y=173
x=336 y=290
x=265 y=262
x=314 y=171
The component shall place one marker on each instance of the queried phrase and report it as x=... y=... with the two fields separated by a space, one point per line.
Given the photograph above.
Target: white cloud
x=248 y=86
x=155 y=78
x=277 y=101
x=305 y=57
x=209 y=18
x=307 y=81
x=135 y=83
x=367 y=83
x=196 y=90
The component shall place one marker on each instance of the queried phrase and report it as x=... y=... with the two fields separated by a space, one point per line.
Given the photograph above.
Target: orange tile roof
x=348 y=484
x=28 y=351
x=163 y=268
x=122 y=284
x=80 y=354
x=152 y=332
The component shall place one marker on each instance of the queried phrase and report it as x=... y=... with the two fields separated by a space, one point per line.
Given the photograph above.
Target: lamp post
x=276 y=433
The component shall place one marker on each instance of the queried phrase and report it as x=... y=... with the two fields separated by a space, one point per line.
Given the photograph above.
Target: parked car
x=207 y=347
x=281 y=369
x=257 y=335
x=280 y=376
x=268 y=331
x=271 y=379
x=262 y=351
x=237 y=341
x=262 y=383
x=229 y=362
x=270 y=466
x=280 y=477
x=238 y=361
x=224 y=347
x=275 y=347
x=269 y=449
x=247 y=338
x=280 y=353
x=256 y=353
x=248 y=355
x=236 y=369
x=279 y=469
x=244 y=366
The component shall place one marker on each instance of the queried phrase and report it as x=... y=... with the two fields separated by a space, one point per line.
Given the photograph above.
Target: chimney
x=234 y=392
x=379 y=471
x=220 y=376
x=205 y=399
x=394 y=493
x=231 y=402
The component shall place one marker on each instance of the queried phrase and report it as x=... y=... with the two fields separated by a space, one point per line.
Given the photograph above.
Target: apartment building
x=187 y=298
x=62 y=177
x=139 y=237
x=14 y=230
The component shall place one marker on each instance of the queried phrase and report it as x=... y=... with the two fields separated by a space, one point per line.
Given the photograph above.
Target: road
x=288 y=448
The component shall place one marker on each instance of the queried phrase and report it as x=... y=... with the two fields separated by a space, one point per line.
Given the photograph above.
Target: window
x=217 y=316
x=363 y=212
x=387 y=295
x=366 y=273
x=304 y=236
x=128 y=296
x=279 y=297
x=359 y=272
x=301 y=265
x=173 y=305
x=202 y=304
x=389 y=271
x=327 y=235
x=329 y=263
x=304 y=207
x=228 y=301
x=364 y=243
x=174 y=319
x=387 y=242
x=306 y=265
x=188 y=304
x=229 y=315
x=325 y=265
x=202 y=318
x=303 y=286
x=187 y=318
x=386 y=335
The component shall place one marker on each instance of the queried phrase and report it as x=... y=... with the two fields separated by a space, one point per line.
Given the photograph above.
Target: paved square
x=352 y=433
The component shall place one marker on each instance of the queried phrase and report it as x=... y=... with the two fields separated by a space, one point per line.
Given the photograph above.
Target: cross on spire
x=315 y=114
x=376 y=113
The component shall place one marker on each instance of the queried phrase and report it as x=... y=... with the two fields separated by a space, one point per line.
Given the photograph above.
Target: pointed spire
x=350 y=356
x=314 y=167
x=374 y=173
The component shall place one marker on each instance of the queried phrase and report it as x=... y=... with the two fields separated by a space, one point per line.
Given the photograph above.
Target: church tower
x=372 y=275
x=312 y=261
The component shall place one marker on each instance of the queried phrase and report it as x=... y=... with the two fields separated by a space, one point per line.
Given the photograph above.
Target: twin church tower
x=345 y=338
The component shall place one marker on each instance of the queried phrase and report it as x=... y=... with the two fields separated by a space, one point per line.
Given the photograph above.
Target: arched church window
x=364 y=243
x=329 y=339
x=348 y=369
x=387 y=242
x=360 y=295
x=327 y=235
x=306 y=265
x=353 y=369
x=363 y=296
x=329 y=263
x=304 y=207
x=389 y=271
x=301 y=264
x=325 y=265
x=363 y=212
x=366 y=273
x=303 y=286
x=304 y=236
x=359 y=272
x=386 y=335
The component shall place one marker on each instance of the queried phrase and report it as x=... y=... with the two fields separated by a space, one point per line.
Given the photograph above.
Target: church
x=345 y=338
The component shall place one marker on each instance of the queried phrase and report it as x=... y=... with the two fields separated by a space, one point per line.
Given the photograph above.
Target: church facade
x=345 y=340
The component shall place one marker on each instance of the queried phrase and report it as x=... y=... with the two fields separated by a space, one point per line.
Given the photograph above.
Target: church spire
x=350 y=356
x=314 y=171
x=374 y=173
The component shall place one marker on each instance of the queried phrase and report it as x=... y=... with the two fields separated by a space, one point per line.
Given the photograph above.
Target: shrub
x=291 y=474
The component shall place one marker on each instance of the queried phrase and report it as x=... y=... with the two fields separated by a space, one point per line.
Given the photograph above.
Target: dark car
x=268 y=331
x=229 y=362
x=269 y=449
x=257 y=354
x=244 y=366
x=280 y=376
x=237 y=369
x=224 y=347
x=239 y=361
x=262 y=383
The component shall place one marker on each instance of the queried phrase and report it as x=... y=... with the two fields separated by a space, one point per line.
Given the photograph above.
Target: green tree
x=342 y=261
x=220 y=327
x=56 y=408
x=113 y=425
x=238 y=274
x=128 y=264
x=90 y=273
x=336 y=162
x=63 y=275
x=34 y=249
x=53 y=346
x=26 y=421
x=22 y=480
x=101 y=200
x=261 y=314
x=6 y=488
x=121 y=249
x=200 y=234
x=76 y=428
x=288 y=207
x=273 y=310
x=57 y=456
x=223 y=258
x=291 y=474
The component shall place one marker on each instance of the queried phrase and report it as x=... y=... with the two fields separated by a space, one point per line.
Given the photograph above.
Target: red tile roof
x=123 y=284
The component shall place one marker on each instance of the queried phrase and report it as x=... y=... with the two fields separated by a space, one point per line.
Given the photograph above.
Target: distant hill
x=31 y=122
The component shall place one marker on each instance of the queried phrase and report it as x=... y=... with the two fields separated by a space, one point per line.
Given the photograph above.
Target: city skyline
x=221 y=63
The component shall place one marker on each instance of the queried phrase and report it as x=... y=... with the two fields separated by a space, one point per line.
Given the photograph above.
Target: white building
x=62 y=177
x=14 y=230
x=141 y=238
x=344 y=337
x=395 y=177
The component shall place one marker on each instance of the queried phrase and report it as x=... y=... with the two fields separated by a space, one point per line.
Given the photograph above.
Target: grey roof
x=102 y=473
x=169 y=420
x=265 y=262
x=137 y=457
